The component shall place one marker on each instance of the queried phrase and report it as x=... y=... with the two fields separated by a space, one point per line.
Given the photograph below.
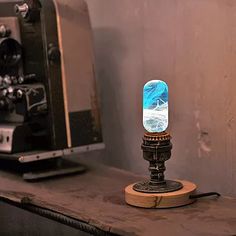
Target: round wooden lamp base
x=161 y=200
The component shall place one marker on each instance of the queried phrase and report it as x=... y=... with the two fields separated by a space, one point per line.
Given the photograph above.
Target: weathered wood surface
x=97 y=197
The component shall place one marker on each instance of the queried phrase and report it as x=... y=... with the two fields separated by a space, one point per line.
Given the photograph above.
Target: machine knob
x=7 y=81
x=54 y=54
x=29 y=10
x=27 y=78
x=19 y=94
x=22 y=9
x=4 y=31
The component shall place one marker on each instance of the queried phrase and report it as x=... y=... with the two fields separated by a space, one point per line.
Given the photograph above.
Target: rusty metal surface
x=97 y=198
x=157 y=150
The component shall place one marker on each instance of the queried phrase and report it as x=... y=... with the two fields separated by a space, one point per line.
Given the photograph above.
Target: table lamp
x=157 y=192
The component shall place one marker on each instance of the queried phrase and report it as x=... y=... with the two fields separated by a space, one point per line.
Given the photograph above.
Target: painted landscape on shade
x=155 y=106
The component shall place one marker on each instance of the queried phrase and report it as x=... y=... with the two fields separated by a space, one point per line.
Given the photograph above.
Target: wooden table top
x=97 y=197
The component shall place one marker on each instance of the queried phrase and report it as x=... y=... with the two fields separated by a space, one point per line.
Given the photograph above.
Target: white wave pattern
x=156 y=120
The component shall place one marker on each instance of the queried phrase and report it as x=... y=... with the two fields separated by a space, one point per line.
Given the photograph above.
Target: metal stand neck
x=157 y=149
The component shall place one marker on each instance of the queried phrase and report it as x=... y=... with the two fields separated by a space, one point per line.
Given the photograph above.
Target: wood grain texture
x=98 y=197
x=161 y=200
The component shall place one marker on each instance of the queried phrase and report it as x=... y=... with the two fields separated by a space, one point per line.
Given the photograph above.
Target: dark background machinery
x=48 y=100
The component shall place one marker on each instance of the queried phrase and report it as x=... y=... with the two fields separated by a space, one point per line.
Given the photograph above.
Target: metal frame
x=43 y=154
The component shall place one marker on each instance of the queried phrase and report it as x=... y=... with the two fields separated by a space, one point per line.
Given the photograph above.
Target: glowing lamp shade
x=155 y=106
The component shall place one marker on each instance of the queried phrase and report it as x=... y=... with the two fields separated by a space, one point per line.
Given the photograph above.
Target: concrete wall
x=191 y=44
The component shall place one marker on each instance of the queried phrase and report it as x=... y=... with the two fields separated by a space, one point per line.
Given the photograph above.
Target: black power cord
x=201 y=195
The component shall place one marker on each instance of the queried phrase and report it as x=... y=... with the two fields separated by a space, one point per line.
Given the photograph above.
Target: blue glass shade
x=155 y=106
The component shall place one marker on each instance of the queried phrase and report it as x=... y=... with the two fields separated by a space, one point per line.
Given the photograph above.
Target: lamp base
x=161 y=200
x=167 y=186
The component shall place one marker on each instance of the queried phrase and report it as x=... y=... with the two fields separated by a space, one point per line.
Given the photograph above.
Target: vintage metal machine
x=48 y=100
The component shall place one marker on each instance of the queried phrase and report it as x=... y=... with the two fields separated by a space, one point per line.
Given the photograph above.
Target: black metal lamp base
x=157 y=192
x=156 y=150
x=167 y=186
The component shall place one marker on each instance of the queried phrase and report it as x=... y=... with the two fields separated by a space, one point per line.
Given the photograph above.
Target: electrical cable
x=201 y=195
